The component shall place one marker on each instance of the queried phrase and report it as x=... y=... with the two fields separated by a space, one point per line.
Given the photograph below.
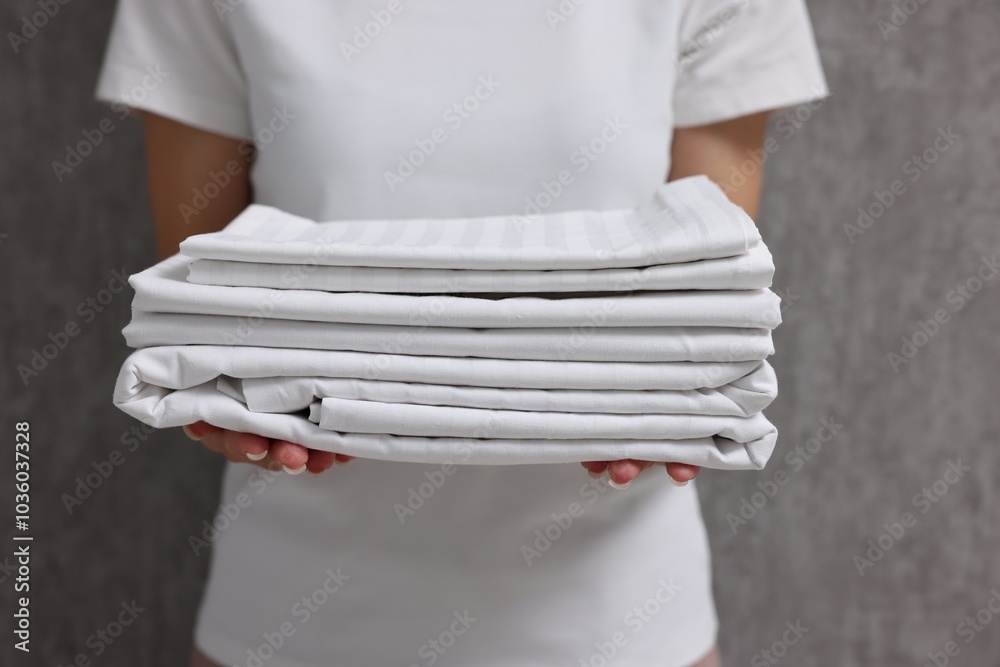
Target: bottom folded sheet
x=164 y=408
x=173 y=386
x=435 y=421
x=742 y=397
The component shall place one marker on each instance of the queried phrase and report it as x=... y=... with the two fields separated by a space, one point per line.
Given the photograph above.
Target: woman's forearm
x=198 y=181
x=719 y=151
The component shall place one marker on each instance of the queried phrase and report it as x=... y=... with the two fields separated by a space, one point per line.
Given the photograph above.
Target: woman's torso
x=448 y=108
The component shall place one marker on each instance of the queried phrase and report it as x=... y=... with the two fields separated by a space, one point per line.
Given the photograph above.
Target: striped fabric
x=688 y=220
x=572 y=336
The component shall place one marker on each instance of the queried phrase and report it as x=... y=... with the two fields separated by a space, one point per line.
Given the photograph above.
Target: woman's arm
x=181 y=161
x=717 y=151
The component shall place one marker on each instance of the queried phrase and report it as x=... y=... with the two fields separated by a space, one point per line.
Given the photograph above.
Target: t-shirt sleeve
x=740 y=57
x=176 y=58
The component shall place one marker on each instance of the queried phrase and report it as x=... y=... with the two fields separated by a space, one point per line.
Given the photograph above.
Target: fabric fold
x=752 y=270
x=164 y=289
x=165 y=408
x=742 y=398
x=571 y=344
x=686 y=220
x=354 y=416
x=566 y=336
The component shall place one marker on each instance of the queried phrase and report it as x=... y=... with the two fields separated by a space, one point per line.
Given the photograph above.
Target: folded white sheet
x=180 y=367
x=741 y=398
x=353 y=416
x=576 y=344
x=165 y=408
x=163 y=289
x=687 y=220
x=752 y=270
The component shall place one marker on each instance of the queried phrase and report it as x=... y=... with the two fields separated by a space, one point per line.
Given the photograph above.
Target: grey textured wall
x=789 y=557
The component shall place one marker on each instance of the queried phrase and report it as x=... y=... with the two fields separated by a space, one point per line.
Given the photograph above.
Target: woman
x=395 y=109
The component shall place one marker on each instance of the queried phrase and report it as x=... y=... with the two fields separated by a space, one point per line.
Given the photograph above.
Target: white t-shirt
x=400 y=108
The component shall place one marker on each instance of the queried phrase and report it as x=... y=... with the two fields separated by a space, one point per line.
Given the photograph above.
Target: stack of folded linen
x=572 y=336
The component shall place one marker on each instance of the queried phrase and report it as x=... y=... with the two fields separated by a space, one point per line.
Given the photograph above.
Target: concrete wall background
x=848 y=305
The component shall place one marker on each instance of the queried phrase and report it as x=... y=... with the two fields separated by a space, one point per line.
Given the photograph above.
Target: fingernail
x=597 y=475
x=341 y=463
x=296 y=471
x=615 y=485
x=191 y=434
x=256 y=457
x=676 y=483
x=315 y=474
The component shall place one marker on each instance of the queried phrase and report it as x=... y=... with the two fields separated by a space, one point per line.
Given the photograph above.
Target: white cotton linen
x=687 y=220
x=164 y=408
x=331 y=127
x=187 y=365
x=752 y=270
x=585 y=343
x=163 y=288
x=743 y=397
x=352 y=416
x=173 y=386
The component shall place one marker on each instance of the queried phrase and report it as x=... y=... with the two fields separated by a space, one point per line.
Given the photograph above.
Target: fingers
x=263 y=452
x=244 y=447
x=319 y=462
x=621 y=473
x=200 y=430
x=292 y=457
x=596 y=468
x=681 y=473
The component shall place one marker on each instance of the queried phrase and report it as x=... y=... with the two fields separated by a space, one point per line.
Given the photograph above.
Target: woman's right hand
x=264 y=452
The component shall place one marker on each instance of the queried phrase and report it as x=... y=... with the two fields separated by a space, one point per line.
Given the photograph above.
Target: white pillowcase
x=743 y=397
x=571 y=344
x=686 y=220
x=753 y=270
x=163 y=289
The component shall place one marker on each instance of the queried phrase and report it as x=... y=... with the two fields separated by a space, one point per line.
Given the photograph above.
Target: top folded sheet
x=686 y=220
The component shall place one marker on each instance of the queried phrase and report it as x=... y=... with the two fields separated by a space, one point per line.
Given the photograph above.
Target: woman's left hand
x=621 y=473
